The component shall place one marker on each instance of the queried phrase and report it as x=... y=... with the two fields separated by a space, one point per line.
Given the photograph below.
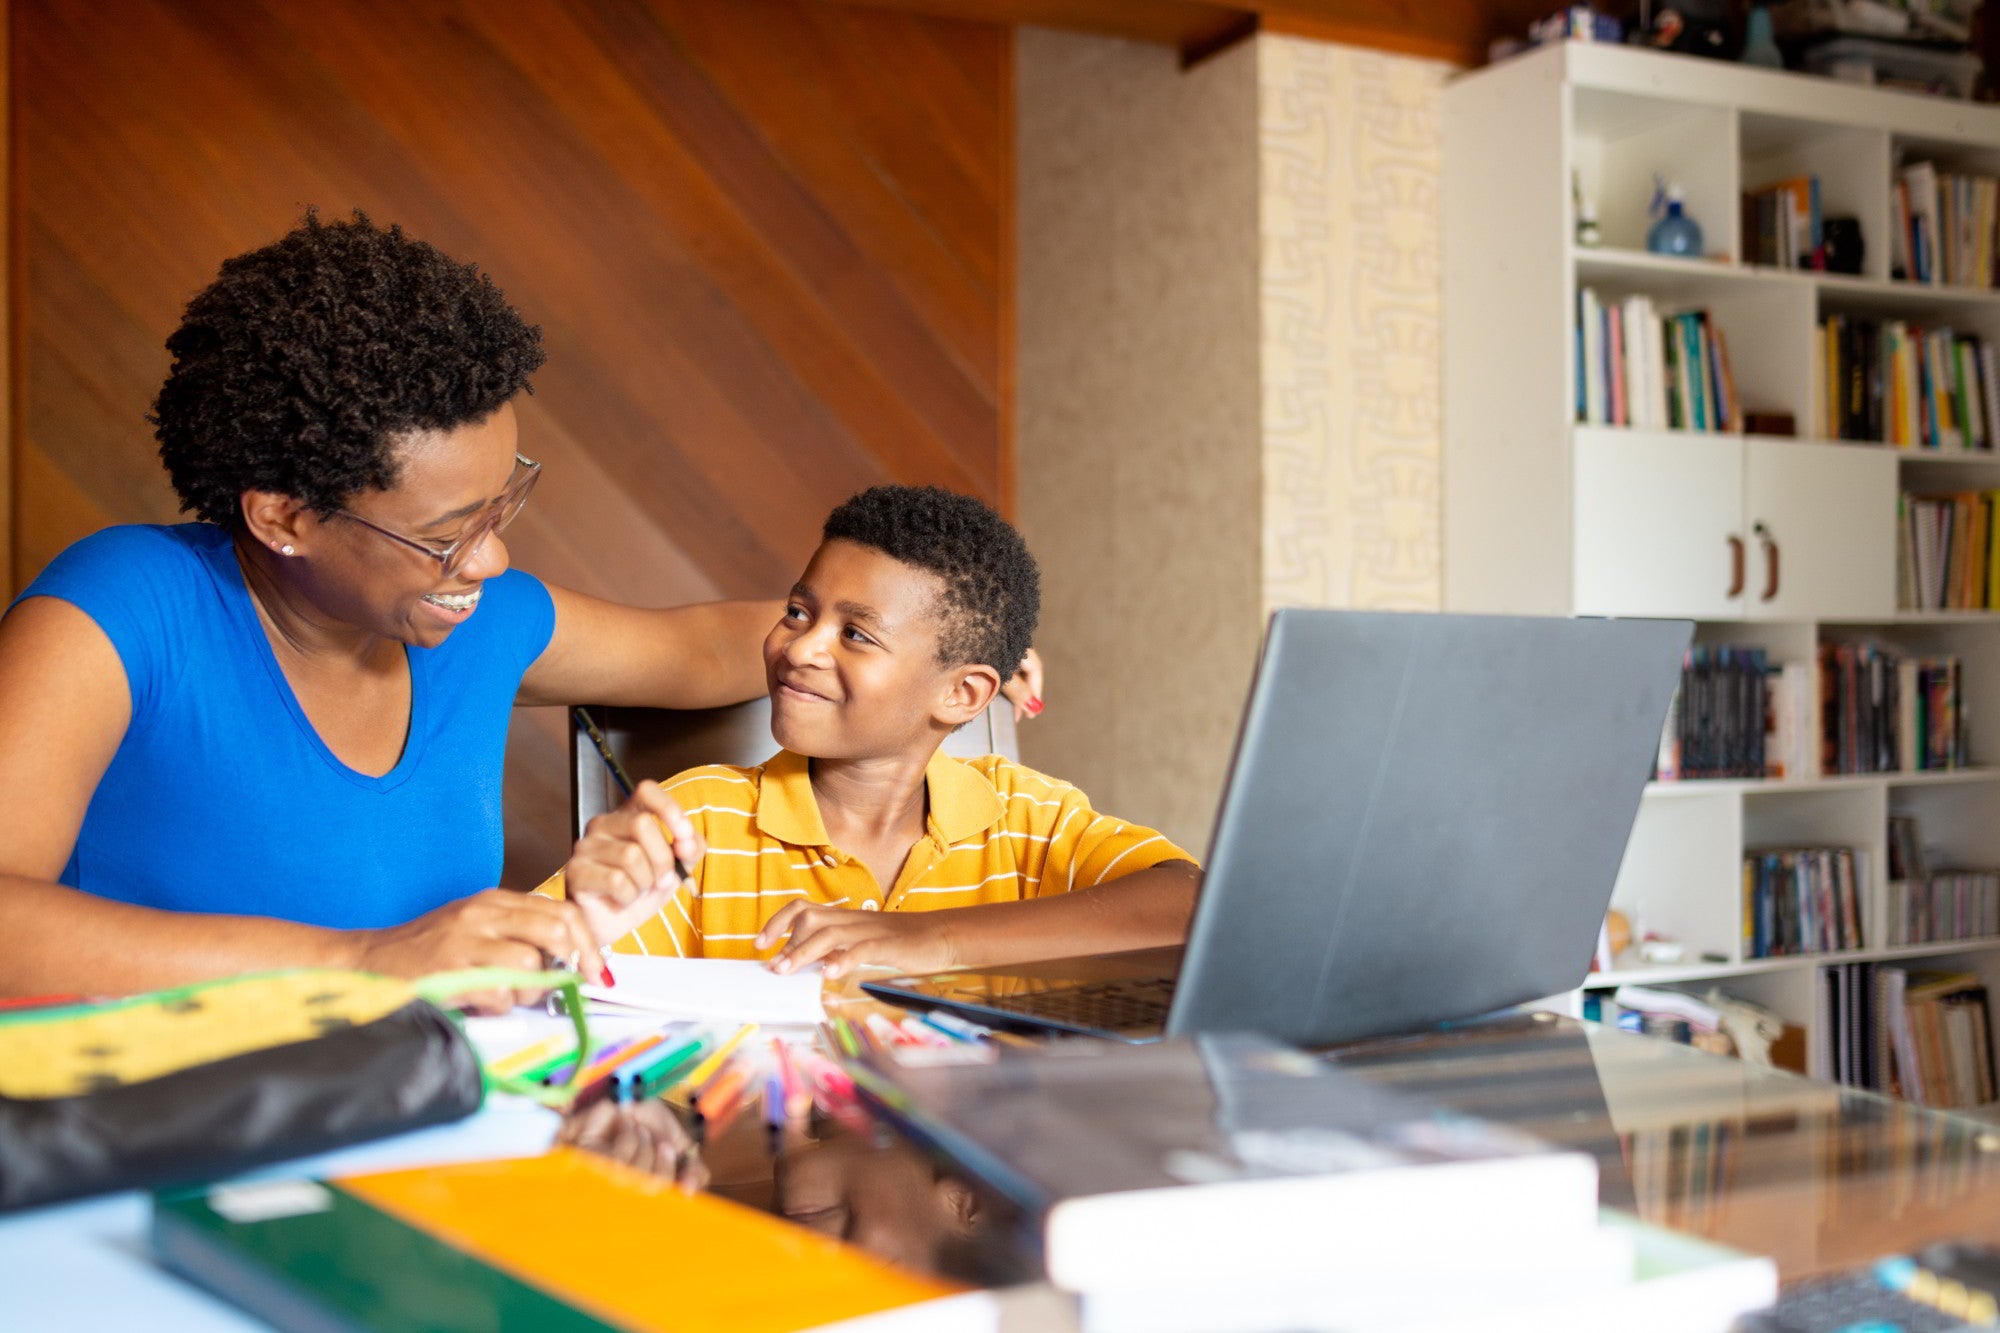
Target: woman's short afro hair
x=992 y=590
x=304 y=363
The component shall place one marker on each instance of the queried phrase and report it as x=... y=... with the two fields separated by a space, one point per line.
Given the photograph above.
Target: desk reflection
x=1820 y=1177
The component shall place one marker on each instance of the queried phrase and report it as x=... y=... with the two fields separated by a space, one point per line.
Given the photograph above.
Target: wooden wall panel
x=767 y=241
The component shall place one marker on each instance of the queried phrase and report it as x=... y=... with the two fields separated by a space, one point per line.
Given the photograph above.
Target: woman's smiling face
x=446 y=480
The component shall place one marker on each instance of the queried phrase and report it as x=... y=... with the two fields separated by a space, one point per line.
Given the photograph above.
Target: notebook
x=562 y=1243
x=1423 y=821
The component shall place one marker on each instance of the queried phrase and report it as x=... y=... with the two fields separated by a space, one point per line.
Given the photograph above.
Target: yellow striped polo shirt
x=996 y=832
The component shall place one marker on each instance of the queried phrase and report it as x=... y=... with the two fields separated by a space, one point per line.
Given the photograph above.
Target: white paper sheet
x=713 y=989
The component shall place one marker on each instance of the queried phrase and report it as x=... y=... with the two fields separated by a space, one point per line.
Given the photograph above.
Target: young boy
x=858 y=843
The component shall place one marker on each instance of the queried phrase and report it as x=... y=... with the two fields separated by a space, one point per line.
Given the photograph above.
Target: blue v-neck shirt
x=222 y=797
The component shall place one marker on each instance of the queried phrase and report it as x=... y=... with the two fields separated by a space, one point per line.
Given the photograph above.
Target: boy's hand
x=841 y=939
x=622 y=870
x=645 y=1134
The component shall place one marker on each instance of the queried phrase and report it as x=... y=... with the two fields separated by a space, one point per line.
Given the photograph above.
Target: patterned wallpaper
x=1352 y=335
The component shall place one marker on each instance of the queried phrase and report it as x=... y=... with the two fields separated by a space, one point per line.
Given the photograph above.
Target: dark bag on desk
x=182 y=1086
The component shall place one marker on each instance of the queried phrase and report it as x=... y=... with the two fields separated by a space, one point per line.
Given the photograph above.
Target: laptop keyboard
x=1108 y=1005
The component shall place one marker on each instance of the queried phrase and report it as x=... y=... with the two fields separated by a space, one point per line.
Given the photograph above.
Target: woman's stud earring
x=287 y=549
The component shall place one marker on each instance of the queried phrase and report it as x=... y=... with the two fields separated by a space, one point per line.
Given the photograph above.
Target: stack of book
x=1894 y=382
x=1231 y=1181
x=1886 y=712
x=1947 y=552
x=1781 y=225
x=1938 y=1033
x=1637 y=367
x=1923 y=906
x=1942 y=231
x=1717 y=722
x=1803 y=900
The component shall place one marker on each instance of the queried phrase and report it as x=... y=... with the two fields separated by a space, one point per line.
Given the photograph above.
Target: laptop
x=1423 y=821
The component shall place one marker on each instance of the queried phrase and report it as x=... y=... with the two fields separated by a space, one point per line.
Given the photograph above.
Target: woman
x=274 y=737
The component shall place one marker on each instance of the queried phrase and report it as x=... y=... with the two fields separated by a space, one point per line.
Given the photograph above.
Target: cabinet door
x=1821 y=523
x=1658 y=517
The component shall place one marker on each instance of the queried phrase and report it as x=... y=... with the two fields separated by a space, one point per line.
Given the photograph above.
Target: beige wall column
x=1229 y=388
x=1137 y=427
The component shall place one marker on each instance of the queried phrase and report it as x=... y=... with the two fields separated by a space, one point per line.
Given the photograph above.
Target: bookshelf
x=1780 y=543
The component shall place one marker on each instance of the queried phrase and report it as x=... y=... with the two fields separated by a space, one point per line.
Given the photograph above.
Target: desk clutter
x=1194 y=1183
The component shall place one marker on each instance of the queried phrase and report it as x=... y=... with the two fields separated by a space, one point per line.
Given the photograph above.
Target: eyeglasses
x=504 y=509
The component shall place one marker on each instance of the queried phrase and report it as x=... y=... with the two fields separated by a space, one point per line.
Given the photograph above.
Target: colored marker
x=706 y=1069
x=565 y=1065
x=775 y=1114
x=642 y=1078
x=798 y=1097
x=722 y=1090
x=559 y=1044
x=599 y=1069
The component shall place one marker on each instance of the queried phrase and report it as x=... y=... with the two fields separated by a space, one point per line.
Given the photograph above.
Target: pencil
x=583 y=719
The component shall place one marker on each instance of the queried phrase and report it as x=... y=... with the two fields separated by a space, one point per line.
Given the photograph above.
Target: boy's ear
x=969 y=689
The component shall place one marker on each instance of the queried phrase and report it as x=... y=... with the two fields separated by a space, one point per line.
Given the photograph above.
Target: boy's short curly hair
x=992 y=589
x=302 y=365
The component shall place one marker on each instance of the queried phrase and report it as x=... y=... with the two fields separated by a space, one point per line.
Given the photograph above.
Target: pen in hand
x=581 y=716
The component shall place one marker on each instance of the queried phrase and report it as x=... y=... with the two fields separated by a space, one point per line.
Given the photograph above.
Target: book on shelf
x=1947 y=552
x=1803 y=900
x=1940 y=1039
x=565 y=1242
x=1883 y=711
x=1900 y=383
x=1637 y=366
x=1846 y=1043
x=1790 y=737
x=1943 y=226
x=1781 y=224
x=1718 y=720
x=1231 y=1156
x=1922 y=906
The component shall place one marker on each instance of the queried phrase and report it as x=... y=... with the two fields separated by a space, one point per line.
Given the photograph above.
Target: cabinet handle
x=1735 y=566
x=1770 y=560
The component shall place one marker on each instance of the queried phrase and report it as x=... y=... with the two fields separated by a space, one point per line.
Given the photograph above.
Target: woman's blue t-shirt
x=222 y=797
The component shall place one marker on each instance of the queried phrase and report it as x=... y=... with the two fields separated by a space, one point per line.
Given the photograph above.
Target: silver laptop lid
x=1424 y=818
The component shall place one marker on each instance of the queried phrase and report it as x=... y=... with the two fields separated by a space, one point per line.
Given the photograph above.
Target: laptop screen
x=1424 y=818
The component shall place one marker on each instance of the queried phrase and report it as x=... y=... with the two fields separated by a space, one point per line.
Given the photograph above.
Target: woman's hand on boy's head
x=841 y=939
x=622 y=870
x=1024 y=690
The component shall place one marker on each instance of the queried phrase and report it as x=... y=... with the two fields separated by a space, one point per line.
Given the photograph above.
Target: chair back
x=660 y=742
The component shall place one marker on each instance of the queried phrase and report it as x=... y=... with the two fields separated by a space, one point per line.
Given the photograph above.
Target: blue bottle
x=1675 y=233
x=1759 y=47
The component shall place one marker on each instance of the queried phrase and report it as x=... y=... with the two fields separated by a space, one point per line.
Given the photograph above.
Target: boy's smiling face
x=852 y=665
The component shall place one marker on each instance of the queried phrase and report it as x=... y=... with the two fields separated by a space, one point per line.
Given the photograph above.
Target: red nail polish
x=1035 y=707
x=609 y=980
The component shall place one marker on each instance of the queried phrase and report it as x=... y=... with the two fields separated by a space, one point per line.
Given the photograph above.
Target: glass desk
x=1820 y=1177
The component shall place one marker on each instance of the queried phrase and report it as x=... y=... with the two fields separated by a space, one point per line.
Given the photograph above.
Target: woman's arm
x=64 y=708
x=700 y=656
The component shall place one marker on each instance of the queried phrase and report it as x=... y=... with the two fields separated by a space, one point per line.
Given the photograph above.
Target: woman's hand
x=841 y=939
x=622 y=870
x=496 y=928
x=645 y=1134
x=1024 y=691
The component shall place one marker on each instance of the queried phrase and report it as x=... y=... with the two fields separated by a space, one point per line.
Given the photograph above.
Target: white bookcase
x=1779 y=543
